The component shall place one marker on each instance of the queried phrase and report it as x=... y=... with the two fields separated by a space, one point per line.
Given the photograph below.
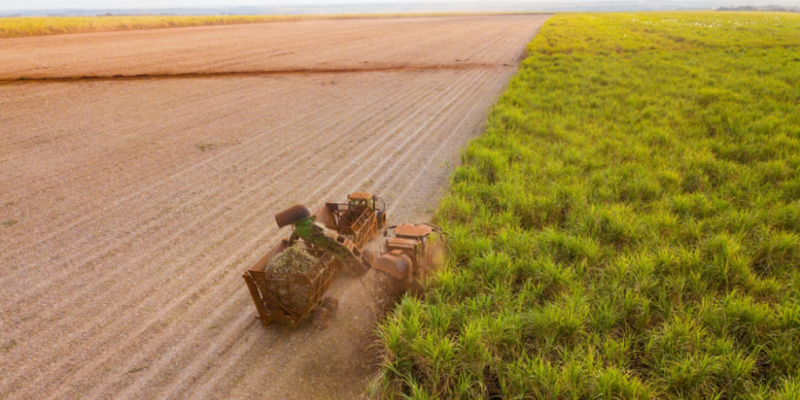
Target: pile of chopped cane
x=293 y=260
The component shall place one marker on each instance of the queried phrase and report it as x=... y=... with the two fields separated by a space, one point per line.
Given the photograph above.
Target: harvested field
x=374 y=44
x=137 y=203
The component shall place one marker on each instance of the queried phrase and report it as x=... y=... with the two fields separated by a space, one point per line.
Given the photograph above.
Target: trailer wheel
x=331 y=304
x=320 y=317
x=401 y=286
x=369 y=255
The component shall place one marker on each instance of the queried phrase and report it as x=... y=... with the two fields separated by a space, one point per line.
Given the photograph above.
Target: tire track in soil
x=175 y=346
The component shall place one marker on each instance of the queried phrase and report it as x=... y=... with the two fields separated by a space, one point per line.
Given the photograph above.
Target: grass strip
x=38 y=26
x=628 y=226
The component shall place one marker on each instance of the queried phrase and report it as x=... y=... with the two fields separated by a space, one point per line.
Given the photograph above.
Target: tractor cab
x=361 y=199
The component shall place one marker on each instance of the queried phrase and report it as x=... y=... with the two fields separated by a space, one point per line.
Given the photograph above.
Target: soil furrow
x=174 y=177
x=154 y=202
x=193 y=200
x=237 y=74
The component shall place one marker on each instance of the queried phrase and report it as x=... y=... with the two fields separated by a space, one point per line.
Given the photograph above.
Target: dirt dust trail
x=131 y=207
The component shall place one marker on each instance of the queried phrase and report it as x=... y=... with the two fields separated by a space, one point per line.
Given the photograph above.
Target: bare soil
x=131 y=207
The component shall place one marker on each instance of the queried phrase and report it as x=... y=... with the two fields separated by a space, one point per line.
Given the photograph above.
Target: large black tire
x=332 y=304
x=320 y=317
x=381 y=217
x=369 y=255
x=295 y=213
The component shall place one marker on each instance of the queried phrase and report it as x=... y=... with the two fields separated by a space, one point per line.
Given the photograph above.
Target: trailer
x=288 y=297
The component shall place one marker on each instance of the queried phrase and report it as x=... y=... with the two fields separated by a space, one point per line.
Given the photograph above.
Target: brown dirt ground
x=130 y=208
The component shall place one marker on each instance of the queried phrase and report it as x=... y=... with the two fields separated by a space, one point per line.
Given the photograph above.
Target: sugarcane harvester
x=408 y=253
x=335 y=236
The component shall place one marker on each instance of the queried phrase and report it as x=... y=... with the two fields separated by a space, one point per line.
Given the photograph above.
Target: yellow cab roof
x=359 y=196
x=412 y=230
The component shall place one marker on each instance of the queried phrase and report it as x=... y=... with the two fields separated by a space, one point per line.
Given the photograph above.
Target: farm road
x=131 y=207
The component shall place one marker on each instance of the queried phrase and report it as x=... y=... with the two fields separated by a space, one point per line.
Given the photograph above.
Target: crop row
x=628 y=226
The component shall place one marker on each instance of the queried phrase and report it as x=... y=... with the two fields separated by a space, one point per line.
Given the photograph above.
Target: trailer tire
x=331 y=304
x=369 y=255
x=320 y=317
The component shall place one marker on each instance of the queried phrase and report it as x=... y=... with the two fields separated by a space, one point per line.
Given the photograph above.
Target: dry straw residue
x=294 y=260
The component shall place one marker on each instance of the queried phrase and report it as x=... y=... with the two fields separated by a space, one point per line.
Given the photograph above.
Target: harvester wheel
x=295 y=213
x=331 y=304
x=369 y=255
x=400 y=286
x=320 y=317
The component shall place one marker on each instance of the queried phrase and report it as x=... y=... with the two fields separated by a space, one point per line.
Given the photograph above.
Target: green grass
x=36 y=26
x=628 y=226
